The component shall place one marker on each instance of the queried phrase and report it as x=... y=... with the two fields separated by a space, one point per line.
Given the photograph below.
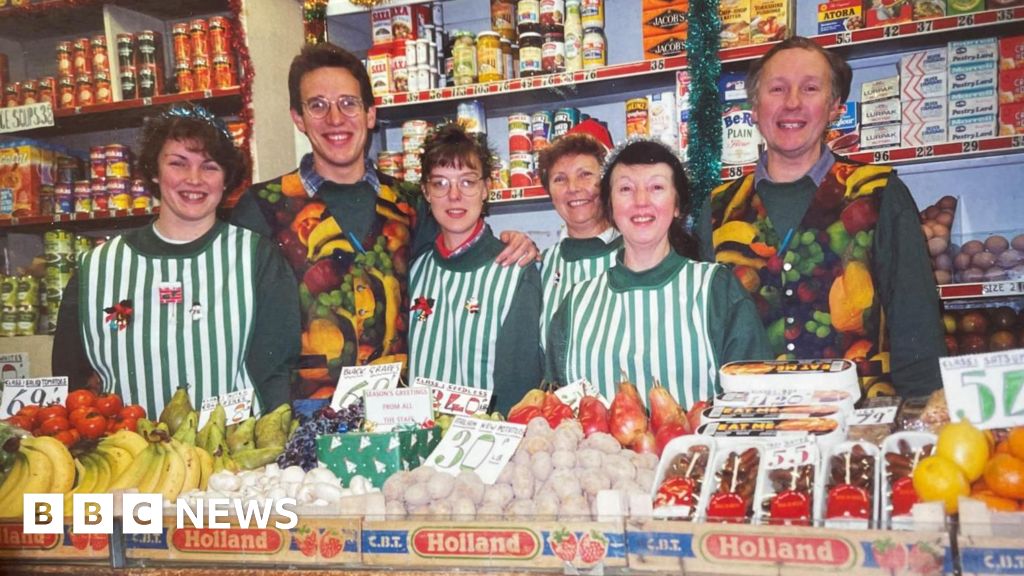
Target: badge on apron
x=170 y=293
x=473 y=305
x=119 y=315
x=425 y=307
x=196 y=312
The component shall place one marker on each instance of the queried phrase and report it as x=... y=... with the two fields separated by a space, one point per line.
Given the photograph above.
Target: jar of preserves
x=489 y=59
x=528 y=17
x=530 y=54
x=552 y=15
x=464 y=58
x=503 y=18
x=506 y=59
x=595 y=53
x=553 y=53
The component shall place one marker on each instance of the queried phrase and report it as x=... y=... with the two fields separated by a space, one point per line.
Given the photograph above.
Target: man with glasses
x=346 y=230
x=472 y=322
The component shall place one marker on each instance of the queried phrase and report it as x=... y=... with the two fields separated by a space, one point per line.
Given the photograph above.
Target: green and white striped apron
x=169 y=345
x=453 y=343
x=646 y=334
x=559 y=275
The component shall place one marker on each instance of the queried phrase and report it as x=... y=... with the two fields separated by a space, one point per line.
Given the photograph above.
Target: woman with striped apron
x=657 y=315
x=472 y=322
x=187 y=300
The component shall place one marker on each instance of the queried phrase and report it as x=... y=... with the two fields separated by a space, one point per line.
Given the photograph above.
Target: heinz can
x=520 y=168
x=220 y=36
x=125 y=50
x=182 y=44
x=84 y=95
x=471 y=116
x=100 y=59
x=519 y=133
x=129 y=83
x=66 y=92
x=183 y=74
x=118 y=161
x=541 y=124
x=147 y=81
x=12 y=95
x=637 y=118
x=81 y=57
x=199 y=33
x=565 y=119
x=48 y=90
x=224 y=72
x=29 y=92
x=147 y=42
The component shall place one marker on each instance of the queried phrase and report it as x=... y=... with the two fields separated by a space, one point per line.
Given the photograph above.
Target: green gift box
x=376 y=455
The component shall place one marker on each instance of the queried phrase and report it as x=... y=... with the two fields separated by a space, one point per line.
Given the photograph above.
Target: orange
x=964 y=445
x=1004 y=475
x=937 y=479
x=1002 y=448
x=1015 y=442
x=998 y=503
x=979 y=486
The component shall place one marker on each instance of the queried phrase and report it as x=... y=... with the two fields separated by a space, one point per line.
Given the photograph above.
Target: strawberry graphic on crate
x=923 y=559
x=330 y=544
x=593 y=547
x=563 y=543
x=99 y=541
x=306 y=540
x=889 y=555
x=79 y=541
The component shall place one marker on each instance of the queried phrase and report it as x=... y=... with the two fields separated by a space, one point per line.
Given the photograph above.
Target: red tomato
x=54 y=425
x=80 y=398
x=132 y=411
x=29 y=411
x=109 y=405
x=78 y=413
x=92 y=426
x=51 y=411
x=68 y=437
x=20 y=421
x=126 y=424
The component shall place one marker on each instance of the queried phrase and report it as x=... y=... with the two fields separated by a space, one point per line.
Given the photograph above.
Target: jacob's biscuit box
x=1011 y=86
x=973 y=103
x=970 y=77
x=665 y=20
x=664 y=46
x=1011 y=52
x=1011 y=119
x=769 y=20
x=971 y=51
x=840 y=16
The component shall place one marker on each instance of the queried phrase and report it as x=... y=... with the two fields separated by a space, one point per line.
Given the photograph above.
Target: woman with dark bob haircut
x=187 y=300
x=657 y=315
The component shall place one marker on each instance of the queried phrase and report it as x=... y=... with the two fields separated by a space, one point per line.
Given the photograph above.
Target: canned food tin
x=471 y=116
x=64 y=65
x=520 y=167
x=119 y=192
x=540 y=127
x=198 y=31
x=8 y=322
x=118 y=161
x=58 y=273
x=81 y=57
x=565 y=119
x=66 y=92
x=46 y=200
x=63 y=200
x=390 y=163
x=186 y=80
x=29 y=92
x=12 y=95
x=58 y=243
x=9 y=290
x=125 y=50
x=415 y=128
x=99 y=196
x=531 y=54
x=528 y=17
x=181 y=44
x=48 y=90
x=552 y=15
x=224 y=72
x=592 y=13
x=97 y=163
x=83 y=196
x=519 y=133
x=637 y=124
x=27 y=318
x=141 y=198
x=84 y=95
x=82 y=245
x=103 y=93
x=147 y=81
x=100 y=59
x=67 y=169
x=595 y=53
x=413 y=144
x=28 y=290
x=202 y=74
x=220 y=36
x=147 y=42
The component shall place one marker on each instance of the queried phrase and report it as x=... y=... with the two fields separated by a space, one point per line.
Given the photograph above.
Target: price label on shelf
x=924 y=26
x=21 y=392
x=986 y=389
x=27 y=117
x=453 y=399
x=876 y=415
x=237 y=406
x=356 y=379
x=389 y=408
x=1002 y=288
x=484 y=446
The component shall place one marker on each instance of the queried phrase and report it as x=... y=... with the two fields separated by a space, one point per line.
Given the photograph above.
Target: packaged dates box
x=376 y=456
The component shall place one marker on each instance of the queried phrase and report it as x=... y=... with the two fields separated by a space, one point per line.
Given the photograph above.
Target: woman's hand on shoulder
x=519 y=248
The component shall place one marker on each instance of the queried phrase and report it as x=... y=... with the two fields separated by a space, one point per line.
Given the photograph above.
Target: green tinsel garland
x=705 y=149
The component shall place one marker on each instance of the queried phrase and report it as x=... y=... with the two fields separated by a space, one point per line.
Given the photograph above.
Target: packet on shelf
x=925 y=110
x=924 y=62
x=968 y=77
x=926 y=86
x=844 y=134
x=823 y=430
x=887 y=12
x=799 y=375
x=681 y=482
x=26 y=167
x=1011 y=52
x=881 y=111
x=735 y=18
x=1011 y=86
x=665 y=45
x=769 y=20
x=666 y=20
x=841 y=399
x=973 y=103
x=880 y=89
x=840 y=16
x=923 y=133
x=880 y=136
x=971 y=51
x=849 y=498
x=1011 y=119
x=972 y=128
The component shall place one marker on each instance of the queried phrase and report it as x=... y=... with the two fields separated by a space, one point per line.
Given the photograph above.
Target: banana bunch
x=41 y=465
x=8 y=448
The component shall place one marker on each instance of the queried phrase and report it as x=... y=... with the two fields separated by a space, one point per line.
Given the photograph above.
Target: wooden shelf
x=85 y=17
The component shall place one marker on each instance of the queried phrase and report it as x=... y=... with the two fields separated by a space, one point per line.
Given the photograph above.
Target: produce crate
x=990 y=542
x=66 y=547
x=376 y=456
x=661 y=545
x=495 y=544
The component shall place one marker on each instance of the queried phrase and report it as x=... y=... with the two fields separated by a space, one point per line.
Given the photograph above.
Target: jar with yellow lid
x=489 y=59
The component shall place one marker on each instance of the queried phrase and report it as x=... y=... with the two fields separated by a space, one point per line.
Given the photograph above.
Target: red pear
x=668 y=432
x=628 y=419
x=593 y=415
x=645 y=444
x=664 y=408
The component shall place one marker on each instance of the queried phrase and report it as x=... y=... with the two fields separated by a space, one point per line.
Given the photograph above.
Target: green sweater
x=272 y=346
x=901 y=270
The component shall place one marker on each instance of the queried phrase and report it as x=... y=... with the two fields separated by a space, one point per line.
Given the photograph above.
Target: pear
x=175 y=411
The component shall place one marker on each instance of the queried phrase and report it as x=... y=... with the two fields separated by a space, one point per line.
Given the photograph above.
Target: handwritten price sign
x=354 y=380
x=875 y=415
x=574 y=393
x=237 y=406
x=484 y=446
x=454 y=399
x=986 y=389
x=22 y=392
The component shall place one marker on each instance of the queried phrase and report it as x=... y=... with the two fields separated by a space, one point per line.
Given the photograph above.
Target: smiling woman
x=187 y=300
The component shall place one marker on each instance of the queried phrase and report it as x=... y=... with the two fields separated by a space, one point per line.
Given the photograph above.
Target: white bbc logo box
x=93 y=513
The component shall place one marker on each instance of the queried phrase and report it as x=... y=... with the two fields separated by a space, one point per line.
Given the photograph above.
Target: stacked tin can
x=520 y=150
x=140 y=60
x=203 y=58
x=60 y=257
x=83 y=75
x=31 y=91
x=414 y=133
x=19 y=305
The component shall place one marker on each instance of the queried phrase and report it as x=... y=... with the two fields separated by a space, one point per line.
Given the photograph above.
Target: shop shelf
x=981 y=290
x=71 y=17
x=517 y=195
x=106 y=218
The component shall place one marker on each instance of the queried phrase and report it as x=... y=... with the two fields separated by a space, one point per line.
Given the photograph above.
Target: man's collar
x=311 y=180
x=817 y=172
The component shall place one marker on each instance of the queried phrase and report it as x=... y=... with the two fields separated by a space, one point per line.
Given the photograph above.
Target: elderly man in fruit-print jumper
x=347 y=230
x=831 y=250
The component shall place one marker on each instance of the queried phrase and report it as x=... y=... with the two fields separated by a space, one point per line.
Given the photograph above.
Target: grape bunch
x=301 y=447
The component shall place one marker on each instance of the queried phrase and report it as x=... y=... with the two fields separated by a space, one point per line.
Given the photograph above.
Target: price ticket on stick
x=386 y=409
x=574 y=393
x=875 y=415
x=986 y=389
x=237 y=406
x=484 y=446
x=22 y=392
x=355 y=379
x=454 y=399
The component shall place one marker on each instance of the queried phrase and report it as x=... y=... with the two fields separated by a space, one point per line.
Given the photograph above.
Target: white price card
x=875 y=415
x=237 y=406
x=484 y=446
x=18 y=118
x=454 y=399
x=985 y=389
x=355 y=379
x=574 y=393
x=22 y=392
x=386 y=409
x=14 y=366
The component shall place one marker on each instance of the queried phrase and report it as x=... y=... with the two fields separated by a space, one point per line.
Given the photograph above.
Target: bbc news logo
x=144 y=513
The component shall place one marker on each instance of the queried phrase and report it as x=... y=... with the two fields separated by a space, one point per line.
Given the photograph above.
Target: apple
x=1001 y=340
x=1003 y=317
x=973 y=322
x=952 y=346
x=972 y=344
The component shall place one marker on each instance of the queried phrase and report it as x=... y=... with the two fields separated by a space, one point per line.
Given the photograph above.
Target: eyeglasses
x=320 y=107
x=438 y=187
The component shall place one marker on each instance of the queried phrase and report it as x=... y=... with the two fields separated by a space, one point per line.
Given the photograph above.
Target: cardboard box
x=925 y=9
x=378 y=66
x=735 y=17
x=927 y=86
x=970 y=77
x=769 y=20
x=664 y=46
x=17 y=547
x=26 y=166
x=887 y=12
x=662 y=117
x=844 y=134
x=881 y=136
x=880 y=89
x=926 y=110
x=1011 y=119
x=881 y=112
x=407 y=21
x=924 y=62
x=666 y=20
x=840 y=16
x=380 y=23
x=376 y=456
x=972 y=128
x=964 y=6
x=732 y=87
x=1011 y=86
x=924 y=133
x=974 y=103
x=1011 y=52
x=656 y=4
x=971 y=51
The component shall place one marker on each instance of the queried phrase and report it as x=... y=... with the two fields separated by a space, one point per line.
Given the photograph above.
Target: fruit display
x=41 y=465
x=301 y=447
x=983 y=330
x=313 y=490
x=84 y=415
x=997 y=257
x=936 y=223
x=553 y=473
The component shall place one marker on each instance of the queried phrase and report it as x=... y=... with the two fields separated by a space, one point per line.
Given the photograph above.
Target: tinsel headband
x=613 y=154
x=191 y=111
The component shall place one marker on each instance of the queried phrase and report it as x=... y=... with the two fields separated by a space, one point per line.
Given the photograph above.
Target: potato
x=972 y=247
x=926 y=229
x=541 y=466
x=931 y=212
x=970 y=275
x=945 y=218
x=937 y=245
x=943 y=262
x=962 y=261
x=564 y=459
x=995 y=274
x=983 y=260
x=1009 y=259
x=1018 y=242
x=940 y=231
x=948 y=202
x=996 y=244
x=943 y=277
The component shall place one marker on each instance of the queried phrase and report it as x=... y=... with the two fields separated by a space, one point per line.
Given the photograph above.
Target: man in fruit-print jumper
x=347 y=230
x=831 y=250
